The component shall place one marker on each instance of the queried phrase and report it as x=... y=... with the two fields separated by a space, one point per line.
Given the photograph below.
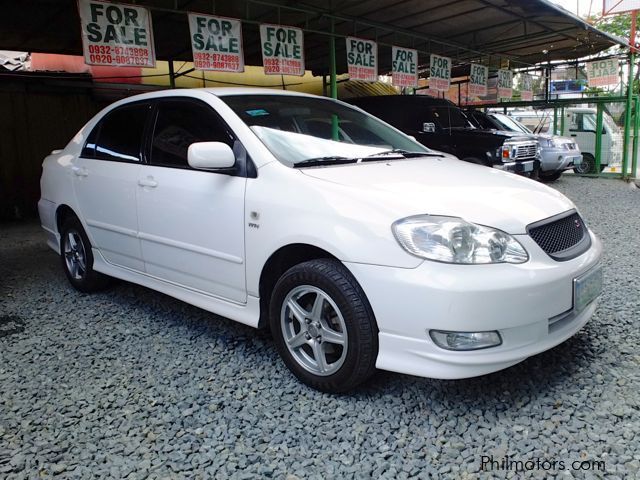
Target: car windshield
x=510 y=124
x=298 y=129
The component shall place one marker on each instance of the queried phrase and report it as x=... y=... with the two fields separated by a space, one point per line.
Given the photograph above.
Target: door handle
x=80 y=171
x=148 y=182
x=574 y=135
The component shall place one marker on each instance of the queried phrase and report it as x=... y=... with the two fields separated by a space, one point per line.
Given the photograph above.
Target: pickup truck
x=441 y=125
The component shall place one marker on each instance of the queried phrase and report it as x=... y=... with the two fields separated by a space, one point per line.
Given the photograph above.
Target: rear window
x=118 y=136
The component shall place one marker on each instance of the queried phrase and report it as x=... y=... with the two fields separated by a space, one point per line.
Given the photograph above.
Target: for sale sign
x=602 y=72
x=505 y=83
x=116 y=35
x=526 y=93
x=439 y=73
x=362 y=59
x=282 y=50
x=216 y=43
x=404 y=67
x=478 y=78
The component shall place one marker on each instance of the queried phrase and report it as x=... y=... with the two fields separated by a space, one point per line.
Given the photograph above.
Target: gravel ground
x=130 y=383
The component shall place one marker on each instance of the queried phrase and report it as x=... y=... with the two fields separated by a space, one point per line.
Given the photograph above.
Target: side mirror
x=210 y=156
x=429 y=127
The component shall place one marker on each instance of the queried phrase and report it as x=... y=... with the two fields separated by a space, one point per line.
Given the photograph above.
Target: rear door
x=105 y=178
x=191 y=221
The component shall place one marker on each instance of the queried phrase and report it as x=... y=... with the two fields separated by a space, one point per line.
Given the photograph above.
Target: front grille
x=562 y=237
x=526 y=151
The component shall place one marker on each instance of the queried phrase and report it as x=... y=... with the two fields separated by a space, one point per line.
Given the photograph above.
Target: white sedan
x=357 y=246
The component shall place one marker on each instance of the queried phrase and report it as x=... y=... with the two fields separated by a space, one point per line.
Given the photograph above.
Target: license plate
x=528 y=167
x=577 y=160
x=586 y=288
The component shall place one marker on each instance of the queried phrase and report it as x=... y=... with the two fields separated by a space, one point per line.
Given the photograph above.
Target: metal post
x=333 y=81
x=555 y=120
x=599 y=117
x=627 y=118
x=172 y=75
x=562 y=121
x=627 y=113
x=636 y=127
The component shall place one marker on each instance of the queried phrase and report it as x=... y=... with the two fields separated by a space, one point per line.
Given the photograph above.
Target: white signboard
x=619 y=6
x=526 y=94
x=439 y=73
x=116 y=35
x=362 y=59
x=603 y=72
x=505 y=83
x=216 y=43
x=282 y=50
x=404 y=67
x=478 y=77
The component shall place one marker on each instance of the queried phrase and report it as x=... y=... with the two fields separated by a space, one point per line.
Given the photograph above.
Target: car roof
x=401 y=98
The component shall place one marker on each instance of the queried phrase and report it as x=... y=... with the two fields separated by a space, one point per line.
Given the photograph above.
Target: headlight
x=551 y=143
x=453 y=240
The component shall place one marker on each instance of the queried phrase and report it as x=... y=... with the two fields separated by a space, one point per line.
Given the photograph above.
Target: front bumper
x=526 y=166
x=517 y=300
x=558 y=159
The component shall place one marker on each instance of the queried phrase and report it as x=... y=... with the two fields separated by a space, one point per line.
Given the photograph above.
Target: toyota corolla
x=357 y=246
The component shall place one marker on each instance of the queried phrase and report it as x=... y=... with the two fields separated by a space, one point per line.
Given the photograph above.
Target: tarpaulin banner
x=362 y=59
x=404 y=67
x=505 y=83
x=282 y=50
x=116 y=35
x=478 y=78
x=439 y=73
x=216 y=43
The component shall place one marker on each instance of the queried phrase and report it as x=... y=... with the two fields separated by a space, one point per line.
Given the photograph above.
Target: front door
x=191 y=222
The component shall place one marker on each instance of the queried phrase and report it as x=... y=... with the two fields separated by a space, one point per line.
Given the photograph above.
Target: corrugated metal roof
x=493 y=32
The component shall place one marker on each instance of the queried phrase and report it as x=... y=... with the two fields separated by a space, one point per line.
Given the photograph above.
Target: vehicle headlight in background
x=454 y=240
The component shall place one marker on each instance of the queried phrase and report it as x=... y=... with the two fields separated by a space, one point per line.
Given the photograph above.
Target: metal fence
x=611 y=153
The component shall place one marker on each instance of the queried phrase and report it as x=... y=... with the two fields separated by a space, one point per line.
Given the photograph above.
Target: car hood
x=443 y=185
x=515 y=136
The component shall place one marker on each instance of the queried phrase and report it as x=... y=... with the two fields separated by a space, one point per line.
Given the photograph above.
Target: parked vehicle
x=557 y=154
x=579 y=124
x=369 y=251
x=441 y=125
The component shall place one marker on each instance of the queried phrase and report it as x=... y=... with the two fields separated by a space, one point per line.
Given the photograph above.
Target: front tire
x=77 y=258
x=323 y=326
x=550 y=177
x=587 y=166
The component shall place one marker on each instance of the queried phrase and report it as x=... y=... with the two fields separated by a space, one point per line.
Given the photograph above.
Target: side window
x=576 y=122
x=120 y=134
x=179 y=124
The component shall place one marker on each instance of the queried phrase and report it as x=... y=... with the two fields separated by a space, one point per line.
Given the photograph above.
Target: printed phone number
x=216 y=57
x=118 y=60
x=223 y=66
x=121 y=51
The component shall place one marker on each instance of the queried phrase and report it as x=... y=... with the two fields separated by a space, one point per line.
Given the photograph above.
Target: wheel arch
x=279 y=262
x=62 y=213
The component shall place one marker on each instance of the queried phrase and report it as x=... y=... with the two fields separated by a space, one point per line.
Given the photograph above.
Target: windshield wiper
x=329 y=160
x=400 y=152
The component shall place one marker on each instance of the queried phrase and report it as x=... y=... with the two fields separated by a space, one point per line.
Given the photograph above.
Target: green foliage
x=618 y=25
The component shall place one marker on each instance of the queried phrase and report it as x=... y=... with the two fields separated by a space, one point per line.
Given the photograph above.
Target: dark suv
x=441 y=125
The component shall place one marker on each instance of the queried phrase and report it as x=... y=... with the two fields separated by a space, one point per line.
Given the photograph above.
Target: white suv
x=359 y=247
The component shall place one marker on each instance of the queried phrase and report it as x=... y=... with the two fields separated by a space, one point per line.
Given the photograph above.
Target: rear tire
x=77 y=258
x=550 y=177
x=323 y=326
x=588 y=165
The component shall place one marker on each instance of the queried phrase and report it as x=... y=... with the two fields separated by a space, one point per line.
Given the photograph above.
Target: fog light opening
x=464 y=341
